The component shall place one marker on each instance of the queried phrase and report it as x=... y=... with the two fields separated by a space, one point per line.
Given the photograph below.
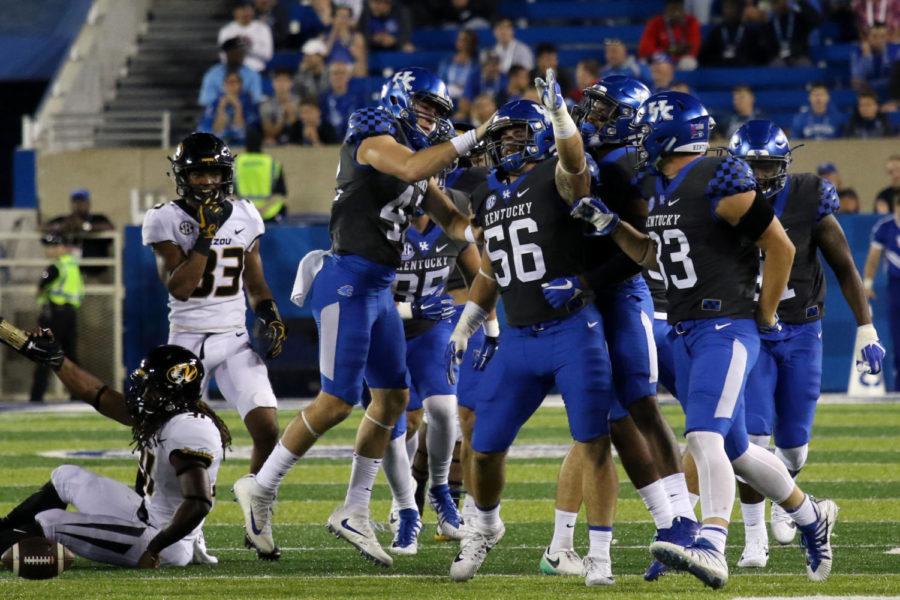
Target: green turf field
x=855 y=460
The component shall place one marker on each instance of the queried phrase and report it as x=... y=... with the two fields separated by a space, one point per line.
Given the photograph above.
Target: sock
x=440 y=438
x=600 y=538
x=563 y=531
x=489 y=518
x=455 y=478
x=694 y=499
x=754 y=518
x=45 y=498
x=469 y=507
x=682 y=504
x=412 y=445
x=715 y=535
x=9 y=536
x=657 y=502
x=396 y=469
x=805 y=514
x=362 y=480
x=275 y=468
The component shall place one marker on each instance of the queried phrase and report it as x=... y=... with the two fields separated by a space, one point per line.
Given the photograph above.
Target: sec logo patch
x=186 y=228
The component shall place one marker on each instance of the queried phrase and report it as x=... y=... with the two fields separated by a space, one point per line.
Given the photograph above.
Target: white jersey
x=218 y=304
x=189 y=434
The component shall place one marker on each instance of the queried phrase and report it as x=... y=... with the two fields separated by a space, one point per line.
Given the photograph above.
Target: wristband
x=405 y=310
x=96 y=402
x=464 y=143
x=201 y=246
x=469 y=234
x=868 y=283
x=471 y=319
x=563 y=125
x=492 y=328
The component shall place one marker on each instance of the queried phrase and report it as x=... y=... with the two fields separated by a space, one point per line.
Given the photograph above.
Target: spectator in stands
x=849 y=202
x=518 y=80
x=229 y=115
x=787 y=32
x=701 y=9
x=311 y=80
x=314 y=131
x=869 y=12
x=619 y=62
x=483 y=108
x=547 y=57
x=870 y=64
x=257 y=34
x=80 y=225
x=280 y=113
x=829 y=171
x=462 y=14
x=214 y=78
x=866 y=121
x=339 y=102
x=510 y=50
x=587 y=72
x=344 y=43
x=744 y=103
x=275 y=15
x=735 y=42
x=662 y=73
x=462 y=71
x=673 y=32
x=889 y=197
x=386 y=25
x=492 y=80
x=819 y=120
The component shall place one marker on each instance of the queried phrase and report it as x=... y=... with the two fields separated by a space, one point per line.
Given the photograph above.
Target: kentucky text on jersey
x=663 y=220
x=509 y=212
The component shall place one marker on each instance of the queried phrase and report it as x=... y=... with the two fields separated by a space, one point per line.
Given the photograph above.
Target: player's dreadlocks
x=146 y=429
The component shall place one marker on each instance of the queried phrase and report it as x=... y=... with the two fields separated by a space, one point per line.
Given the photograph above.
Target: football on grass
x=37 y=558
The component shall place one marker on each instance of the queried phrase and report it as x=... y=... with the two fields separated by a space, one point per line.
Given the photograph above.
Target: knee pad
x=793 y=458
x=759 y=440
x=66 y=479
x=441 y=410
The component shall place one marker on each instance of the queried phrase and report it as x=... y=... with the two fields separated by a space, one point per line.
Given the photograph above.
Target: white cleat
x=783 y=527
x=257 y=508
x=816 y=539
x=597 y=571
x=700 y=559
x=356 y=528
x=756 y=552
x=562 y=562
x=201 y=556
x=473 y=551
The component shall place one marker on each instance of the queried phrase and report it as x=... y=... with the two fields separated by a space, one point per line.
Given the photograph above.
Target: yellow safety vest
x=68 y=287
x=255 y=175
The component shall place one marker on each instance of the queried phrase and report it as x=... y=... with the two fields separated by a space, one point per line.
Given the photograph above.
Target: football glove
x=595 y=212
x=562 y=291
x=269 y=331
x=210 y=215
x=869 y=352
x=42 y=348
x=435 y=307
x=483 y=355
x=549 y=92
x=456 y=349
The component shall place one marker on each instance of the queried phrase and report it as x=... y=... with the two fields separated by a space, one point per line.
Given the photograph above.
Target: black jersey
x=530 y=239
x=371 y=210
x=708 y=267
x=427 y=260
x=804 y=201
x=467 y=180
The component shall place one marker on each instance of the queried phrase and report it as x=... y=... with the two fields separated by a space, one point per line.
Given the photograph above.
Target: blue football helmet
x=404 y=90
x=766 y=149
x=605 y=113
x=538 y=143
x=669 y=123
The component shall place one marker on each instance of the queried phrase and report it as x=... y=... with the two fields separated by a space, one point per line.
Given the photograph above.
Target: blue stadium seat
x=711 y=78
x=443 y=39
x=378 y=61
x=834 y=53
x=284 y=60
x=544 y=10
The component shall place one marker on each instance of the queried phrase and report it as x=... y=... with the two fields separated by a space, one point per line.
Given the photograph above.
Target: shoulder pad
x=829 y=203
x=732 y=176
x=370 y=122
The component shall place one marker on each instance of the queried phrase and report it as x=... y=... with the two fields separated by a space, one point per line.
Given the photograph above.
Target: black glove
x=42 y=348
x=269 y=331
x=210 y=216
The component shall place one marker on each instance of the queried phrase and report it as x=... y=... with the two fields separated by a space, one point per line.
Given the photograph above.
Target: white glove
x=869 y=352
x=552 y=99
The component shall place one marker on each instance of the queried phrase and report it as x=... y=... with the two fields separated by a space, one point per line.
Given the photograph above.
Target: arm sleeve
x=829 y=203
x=732 y=176
x=155 y=229
x=48 y=276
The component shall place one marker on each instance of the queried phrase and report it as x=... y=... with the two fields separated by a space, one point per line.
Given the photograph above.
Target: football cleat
x=406 y=537
x=356 y=528
x=201 y=555
x=562 y=562
x=449 y=521
x=257 y=508
x=682 y=532
x=816 y=538
x=756 y=551
x=473 y=550
x=394 y=518
x=700 y=559
x=783 y=527
x=597 y=571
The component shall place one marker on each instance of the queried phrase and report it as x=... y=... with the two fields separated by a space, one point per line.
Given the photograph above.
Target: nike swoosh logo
x=570 y=526
x=673 y=201
x=591 y=324
x=256 y=530
x=440 y=248
x=238 y=231
x=567 y=286
x=240 y=334
x=458 y=558
x=522 y=193
x=722 y=326
x=346 y=526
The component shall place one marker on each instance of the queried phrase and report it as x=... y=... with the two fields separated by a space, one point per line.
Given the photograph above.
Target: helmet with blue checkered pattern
x=766 y=148
x=670 y=123
x=537 y=143
x=416 y=94
x=605 y=113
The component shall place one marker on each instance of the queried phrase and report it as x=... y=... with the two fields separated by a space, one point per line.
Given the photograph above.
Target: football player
x=784 y=385
x=644 y=441
x=705 y=226
x=158 y=522
x=531 y=239
x=387 y=164
x=886 y=242
x=207 y=251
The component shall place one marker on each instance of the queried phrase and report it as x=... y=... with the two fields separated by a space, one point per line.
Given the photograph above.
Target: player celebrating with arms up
x=387 y=162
